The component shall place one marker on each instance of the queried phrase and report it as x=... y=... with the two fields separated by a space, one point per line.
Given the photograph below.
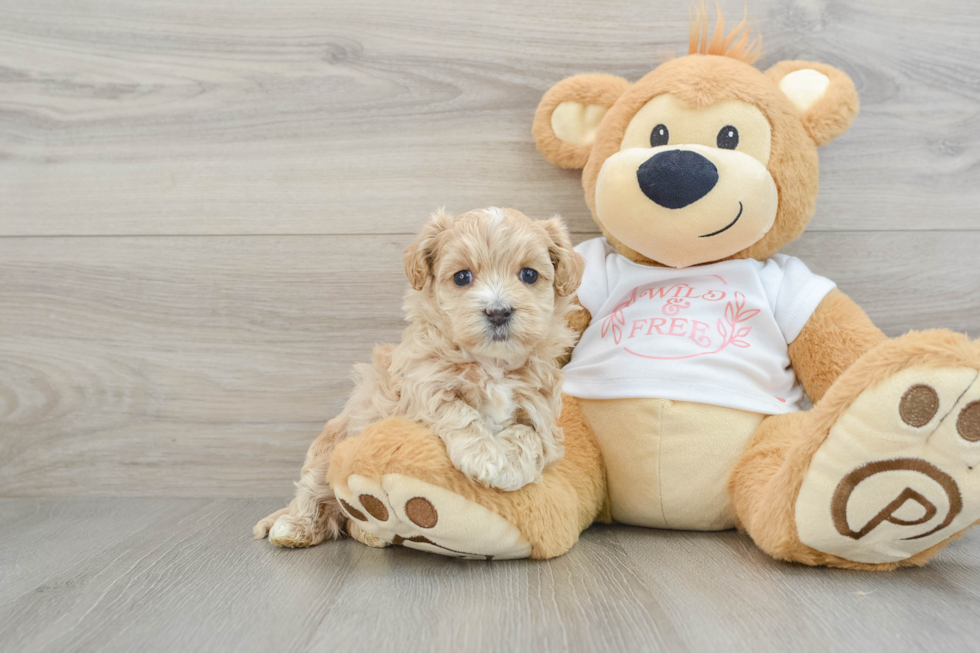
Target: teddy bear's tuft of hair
x=738 y=44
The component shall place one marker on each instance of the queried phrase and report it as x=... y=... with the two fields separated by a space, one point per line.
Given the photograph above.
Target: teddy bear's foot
x=396 y=484
x=899 y=471
x=402 y=510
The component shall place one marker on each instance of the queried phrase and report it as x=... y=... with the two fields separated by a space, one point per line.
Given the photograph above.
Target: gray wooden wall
x=203 y=204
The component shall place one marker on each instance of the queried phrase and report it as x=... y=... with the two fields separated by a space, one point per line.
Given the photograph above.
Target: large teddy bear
x=698 y=341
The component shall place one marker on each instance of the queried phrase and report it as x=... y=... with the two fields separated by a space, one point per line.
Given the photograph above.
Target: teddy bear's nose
x=676 y=178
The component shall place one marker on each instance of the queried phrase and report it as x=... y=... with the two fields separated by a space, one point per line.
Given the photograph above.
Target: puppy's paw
x=362 y=536
x=524 y=450
x=261 y=529
x=514 y=477
x=480 y=459
x=553 y=447
x=294 y=532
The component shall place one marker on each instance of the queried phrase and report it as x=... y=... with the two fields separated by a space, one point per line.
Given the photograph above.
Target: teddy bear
x=682 y=405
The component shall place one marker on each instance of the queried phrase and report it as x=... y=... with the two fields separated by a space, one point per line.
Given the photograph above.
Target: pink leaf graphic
x=729 y=313
x=617 y=333
x=741 y=344
x=747 y=315
x=721 y=328
x=739 y=301
x=605 y=326
x=744 y=331
x=620 y=317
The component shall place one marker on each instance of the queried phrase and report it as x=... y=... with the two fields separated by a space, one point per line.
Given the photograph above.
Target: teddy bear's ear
x=569 y=114
x=420 y=254
x=824 y=96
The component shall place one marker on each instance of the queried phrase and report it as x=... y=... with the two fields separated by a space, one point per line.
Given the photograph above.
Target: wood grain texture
x=202 y=209
x=184 y=575
x=192 y=366
x=335 y=117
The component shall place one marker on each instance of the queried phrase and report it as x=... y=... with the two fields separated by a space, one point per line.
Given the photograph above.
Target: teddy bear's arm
x=836 y=335
x=578 y=321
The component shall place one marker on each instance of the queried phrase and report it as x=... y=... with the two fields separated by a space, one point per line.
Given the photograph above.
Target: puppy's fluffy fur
x=489 y=385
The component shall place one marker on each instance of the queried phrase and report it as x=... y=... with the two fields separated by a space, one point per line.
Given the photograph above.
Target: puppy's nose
x=498 y=315
x=676 y=178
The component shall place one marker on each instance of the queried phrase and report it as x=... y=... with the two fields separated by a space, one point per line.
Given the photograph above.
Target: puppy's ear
x=825 y=97
x=569 y=114
x=420 y=254
x=569 y=265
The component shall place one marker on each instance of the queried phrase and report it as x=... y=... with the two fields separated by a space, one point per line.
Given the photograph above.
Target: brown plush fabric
x=837 y=334
x=580 y=319
x=550 y=514
x=702 y=80
x=838 y=355
x=832 y=114
x=831 y=355
x=766 y=482
x=579 y=322
x=594 y=89
x=738 y=44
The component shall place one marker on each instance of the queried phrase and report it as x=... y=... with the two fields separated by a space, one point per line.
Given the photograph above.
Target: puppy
x=478 y=363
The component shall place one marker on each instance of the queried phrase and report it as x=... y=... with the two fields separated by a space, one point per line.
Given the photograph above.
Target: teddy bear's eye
x=463 y=278
x=659 y=136
x=728 y=138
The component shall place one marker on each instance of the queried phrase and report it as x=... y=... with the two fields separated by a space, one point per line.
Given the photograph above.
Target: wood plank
x=184 y=575
x=213 y=350
x=193 y=117
x=191 y=366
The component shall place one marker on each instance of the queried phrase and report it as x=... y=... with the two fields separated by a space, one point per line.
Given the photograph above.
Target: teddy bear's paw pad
x=409 y=512
x=897 y=473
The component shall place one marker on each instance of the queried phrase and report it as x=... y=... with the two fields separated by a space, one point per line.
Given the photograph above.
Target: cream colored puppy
x=478 y=363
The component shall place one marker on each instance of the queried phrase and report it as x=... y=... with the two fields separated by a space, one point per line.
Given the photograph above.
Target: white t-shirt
x=712 y=334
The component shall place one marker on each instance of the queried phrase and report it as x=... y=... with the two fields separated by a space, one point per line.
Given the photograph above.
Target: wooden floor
x=202 y=209
x=183 y=575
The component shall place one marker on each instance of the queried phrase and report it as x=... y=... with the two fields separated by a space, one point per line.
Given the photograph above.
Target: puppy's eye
x=463 y=278
x=728 y=138
x=659 y=136
x=529 y=276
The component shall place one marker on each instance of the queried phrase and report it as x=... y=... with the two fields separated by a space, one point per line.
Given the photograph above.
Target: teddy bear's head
x=704 y=159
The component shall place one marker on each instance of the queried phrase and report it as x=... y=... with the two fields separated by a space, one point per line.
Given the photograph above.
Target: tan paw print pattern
x=898 y=471
x=406 y=511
